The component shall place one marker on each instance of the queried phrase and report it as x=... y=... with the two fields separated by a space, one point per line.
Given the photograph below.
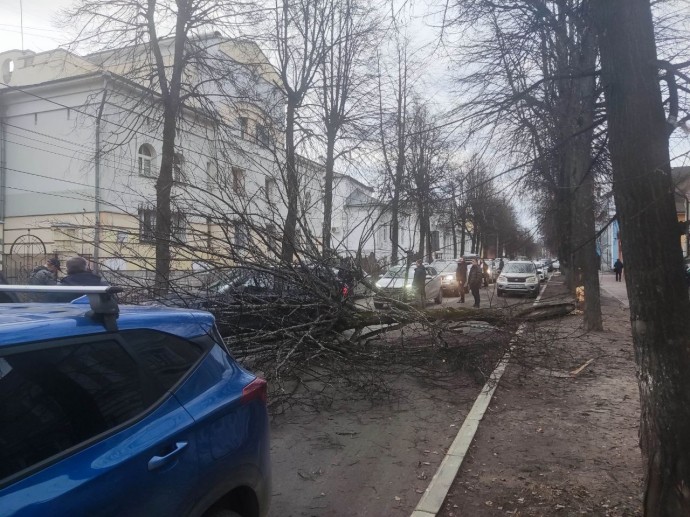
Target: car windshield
x=398 y=272
x=518 y=267
x=447 y=267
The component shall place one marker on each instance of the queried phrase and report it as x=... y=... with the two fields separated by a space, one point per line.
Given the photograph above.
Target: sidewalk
x=560 y=435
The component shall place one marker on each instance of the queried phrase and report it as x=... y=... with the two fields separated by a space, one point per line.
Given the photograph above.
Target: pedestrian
x=500 y=265
x=419 y=282
x=46 y=274
x=475 y=280
x=618 y=269
x=485 y=272
x=78 y=274
x=461 y=277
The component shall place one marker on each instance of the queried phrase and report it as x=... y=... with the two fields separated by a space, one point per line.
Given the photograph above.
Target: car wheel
x=439 y=299
x=378 y=305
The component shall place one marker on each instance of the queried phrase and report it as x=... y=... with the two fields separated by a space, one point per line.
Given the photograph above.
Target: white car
x=520 y=277
x=396 y=284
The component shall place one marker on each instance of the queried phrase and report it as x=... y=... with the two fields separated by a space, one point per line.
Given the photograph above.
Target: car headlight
x=531 y=280
x=409 y=286
x=450 y=277
x=502 y=279
x=378 y=284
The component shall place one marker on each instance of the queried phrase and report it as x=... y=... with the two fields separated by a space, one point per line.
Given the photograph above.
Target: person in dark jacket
x=78 y=274
x=475 y=280
x=461 y=277
x=618 y=269
x=419 y=282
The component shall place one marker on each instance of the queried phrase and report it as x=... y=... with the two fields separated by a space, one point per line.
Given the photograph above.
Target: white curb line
x=432 y=500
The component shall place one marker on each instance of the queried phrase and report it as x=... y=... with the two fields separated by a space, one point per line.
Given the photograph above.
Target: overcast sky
x=39 y=32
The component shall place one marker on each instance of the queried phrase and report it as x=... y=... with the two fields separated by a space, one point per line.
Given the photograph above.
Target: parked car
x=556 y=265
x=519 y=277
x=449 y=282
x=145 y=413
x=542 y=272
x=396 y=284
x=251 y=299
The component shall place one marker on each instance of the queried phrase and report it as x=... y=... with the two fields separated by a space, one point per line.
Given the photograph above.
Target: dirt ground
x=375 y=458
x=551 y=443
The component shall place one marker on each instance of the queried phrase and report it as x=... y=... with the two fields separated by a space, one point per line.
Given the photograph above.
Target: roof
x=27 y=322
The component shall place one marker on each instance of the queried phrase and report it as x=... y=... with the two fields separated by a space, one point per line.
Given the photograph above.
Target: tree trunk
x=287 y=251
x=580 y=119
x=328 y=194
x=164 y=185
x=643 y=191
x=463 y=229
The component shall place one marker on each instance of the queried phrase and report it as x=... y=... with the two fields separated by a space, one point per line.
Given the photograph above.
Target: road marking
x=433 y=497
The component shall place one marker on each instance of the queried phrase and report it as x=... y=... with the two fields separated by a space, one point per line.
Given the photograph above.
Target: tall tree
x=643 y=191
x=300 y=27
x=348 y=40
x=163 y=46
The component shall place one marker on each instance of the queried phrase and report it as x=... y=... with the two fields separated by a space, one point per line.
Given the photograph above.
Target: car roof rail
x=102 y=301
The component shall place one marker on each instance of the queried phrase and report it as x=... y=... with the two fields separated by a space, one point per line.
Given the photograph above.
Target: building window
x=145 y=159
x=211 y=174
x=178 y=167
x=262 y=135
x=147 y=225
x=270 y=187
x=241 y=237
x=178 y=227
x=244 y=127
x=238 y=186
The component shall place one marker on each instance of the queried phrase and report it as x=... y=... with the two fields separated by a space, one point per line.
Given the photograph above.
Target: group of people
x=78 y=274
x=472 y=279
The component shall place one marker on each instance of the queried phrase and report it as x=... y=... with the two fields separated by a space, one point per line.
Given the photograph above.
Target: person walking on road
x=618 y=269
x=419 y=282
x=475 y=280
x=461 y=277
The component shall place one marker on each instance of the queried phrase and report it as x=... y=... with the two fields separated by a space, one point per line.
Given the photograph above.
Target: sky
x=39 y=32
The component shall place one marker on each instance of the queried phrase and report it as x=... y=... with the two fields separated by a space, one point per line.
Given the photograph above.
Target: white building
x=80 y=144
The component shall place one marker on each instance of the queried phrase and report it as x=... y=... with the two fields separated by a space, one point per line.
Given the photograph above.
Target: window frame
x=142 y=158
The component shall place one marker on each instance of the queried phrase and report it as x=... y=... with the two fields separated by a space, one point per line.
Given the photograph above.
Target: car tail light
x=345 y=290
x=255 y=390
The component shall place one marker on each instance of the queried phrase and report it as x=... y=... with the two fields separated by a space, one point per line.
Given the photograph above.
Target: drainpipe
x=97 y=180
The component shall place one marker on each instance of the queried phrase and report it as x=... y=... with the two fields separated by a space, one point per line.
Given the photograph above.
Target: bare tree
x=349 y=40
x=166 y=48
x=300 y=29
x=659 y=305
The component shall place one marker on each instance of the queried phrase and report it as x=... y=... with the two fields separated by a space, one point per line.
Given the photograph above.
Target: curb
x=434 y=495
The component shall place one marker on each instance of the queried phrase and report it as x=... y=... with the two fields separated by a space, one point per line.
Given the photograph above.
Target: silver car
x=447 y=269
x=396 y=284
x=520 y=277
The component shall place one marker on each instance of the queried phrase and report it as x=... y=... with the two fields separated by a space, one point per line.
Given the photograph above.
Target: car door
x=88 y=432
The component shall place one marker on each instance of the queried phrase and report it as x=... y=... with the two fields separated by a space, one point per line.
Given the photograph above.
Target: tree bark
x=287 y=251
x=643 y=191
x=328 y=194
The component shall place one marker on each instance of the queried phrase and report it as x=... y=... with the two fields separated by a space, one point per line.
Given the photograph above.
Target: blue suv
x=119 y=411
